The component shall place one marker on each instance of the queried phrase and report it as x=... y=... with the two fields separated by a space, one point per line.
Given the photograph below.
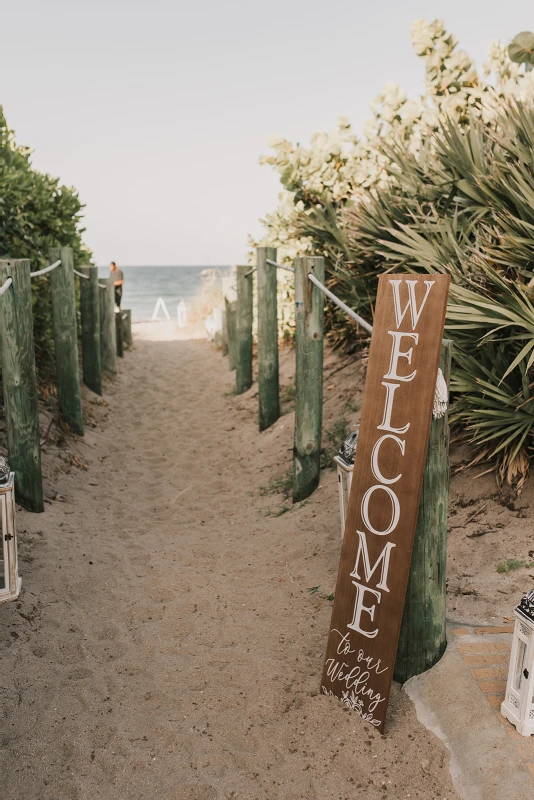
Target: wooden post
x=20 y=384
x=243 y=372
x=224 y=339
x=90 y=314
x=127 y=328
x=309 y=333
x=108 y=342
x=423 y=637
x=66 y=338
x=268 y=384
x=231 y=312
x=118 y=333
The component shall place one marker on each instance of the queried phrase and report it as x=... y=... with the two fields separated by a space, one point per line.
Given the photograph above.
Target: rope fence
x=46 y=269
x=102 y=286
x=6 y=286
x=331 y=296
x=279 y=266
x=250 y=272
x=81 y=275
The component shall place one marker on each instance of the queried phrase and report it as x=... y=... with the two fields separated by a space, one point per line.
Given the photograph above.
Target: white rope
x=279 y=266
x=102 y=286
x=352 y=314
x=250 y=272
x=81 y=275
x=441 y=394
x=46 y=269
x=6 y=286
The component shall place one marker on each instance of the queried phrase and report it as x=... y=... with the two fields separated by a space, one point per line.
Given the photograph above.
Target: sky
x=157 y=112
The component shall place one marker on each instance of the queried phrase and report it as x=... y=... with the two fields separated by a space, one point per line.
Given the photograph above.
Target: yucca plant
x=463 y=205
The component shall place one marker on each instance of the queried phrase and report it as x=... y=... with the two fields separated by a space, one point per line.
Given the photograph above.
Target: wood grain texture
x=309 y=346
x=118 y=334
x=108 y=340
x=224 y=337
x=66 y=338
x=90 y=317
x=127 y=328
x=231 y=329
x=20 y=384
x=386 y=488
x=423 y=635
x=243 y=366
x=268 y=378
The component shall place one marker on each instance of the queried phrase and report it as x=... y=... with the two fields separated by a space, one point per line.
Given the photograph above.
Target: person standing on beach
x=118 y=279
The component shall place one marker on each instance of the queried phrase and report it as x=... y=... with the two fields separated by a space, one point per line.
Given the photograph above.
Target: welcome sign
x=385 y=493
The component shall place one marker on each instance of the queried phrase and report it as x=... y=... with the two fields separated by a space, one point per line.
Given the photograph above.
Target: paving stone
x=487 y=673
x=495 y=629
x=495 y=659
x=493 y=687
x=495 y=700
x=484 y=647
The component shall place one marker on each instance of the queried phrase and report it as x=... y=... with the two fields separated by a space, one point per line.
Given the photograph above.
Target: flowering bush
x=442 y=184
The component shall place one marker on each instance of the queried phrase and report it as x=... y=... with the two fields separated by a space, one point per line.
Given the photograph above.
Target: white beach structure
x=518 y=703
x=10 y=581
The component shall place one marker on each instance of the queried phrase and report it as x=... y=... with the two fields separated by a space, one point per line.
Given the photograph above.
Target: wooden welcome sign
x=385 y=493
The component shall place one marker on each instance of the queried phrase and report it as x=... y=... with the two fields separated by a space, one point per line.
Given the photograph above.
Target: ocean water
x=144 y=286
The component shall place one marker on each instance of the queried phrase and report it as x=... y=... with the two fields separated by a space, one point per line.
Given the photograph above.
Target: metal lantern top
x=347 y=451
x=525 y=609
x=4 y=471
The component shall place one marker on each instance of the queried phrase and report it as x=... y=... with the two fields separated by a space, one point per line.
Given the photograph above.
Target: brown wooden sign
x=385 y=494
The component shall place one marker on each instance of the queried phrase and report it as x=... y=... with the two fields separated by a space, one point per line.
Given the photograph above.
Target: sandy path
x=165 y=644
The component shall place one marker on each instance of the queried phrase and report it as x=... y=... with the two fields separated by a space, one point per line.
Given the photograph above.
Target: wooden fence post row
x=231 y=322
x=90 y=314
x=127 y=328
x=309 y=335
x=243 y=350
x=268 y=382
x=66 y=338
x=108 y=335
x=118 y=333
x=20 y=384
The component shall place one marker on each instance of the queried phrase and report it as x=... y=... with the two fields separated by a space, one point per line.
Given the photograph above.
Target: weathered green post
x=66 y=338
x=127 y=328
x=108 y=341
x=231 y=323
x=268 y=382
x=224 y=339
x=20 y=384
x=423 y=636
x=90 y=314
x=118 y=333
x=243 y=372
x=309 y=334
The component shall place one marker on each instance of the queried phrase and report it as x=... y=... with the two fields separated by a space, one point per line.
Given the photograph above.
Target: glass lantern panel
x=518 y=673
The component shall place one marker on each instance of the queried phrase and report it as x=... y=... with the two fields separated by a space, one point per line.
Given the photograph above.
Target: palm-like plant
x=464 y=205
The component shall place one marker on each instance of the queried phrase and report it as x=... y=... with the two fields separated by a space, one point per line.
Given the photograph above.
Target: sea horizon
x=155 y=289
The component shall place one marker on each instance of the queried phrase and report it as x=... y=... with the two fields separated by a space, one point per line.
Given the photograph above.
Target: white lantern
x=9 y=577
x=518 y=704
x=345 y=467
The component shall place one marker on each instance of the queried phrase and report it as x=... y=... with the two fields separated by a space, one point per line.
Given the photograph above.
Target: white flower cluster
x=338 y=167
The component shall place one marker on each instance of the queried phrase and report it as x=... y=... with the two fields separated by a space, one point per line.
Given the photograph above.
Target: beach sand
x=166 y=643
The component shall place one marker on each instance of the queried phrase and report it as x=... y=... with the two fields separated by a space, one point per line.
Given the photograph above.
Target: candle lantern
x=9 y=577
x=345 y=467
x=518 y=704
